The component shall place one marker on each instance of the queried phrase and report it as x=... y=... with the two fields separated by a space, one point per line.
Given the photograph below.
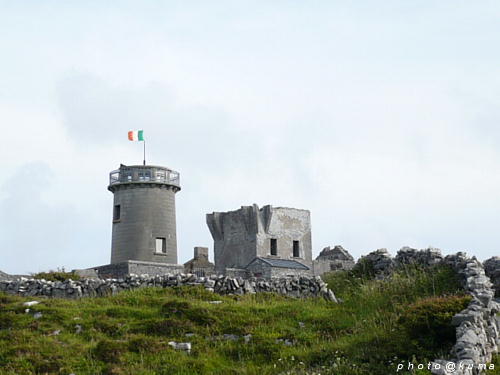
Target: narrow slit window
x=296 y=249
x=274 y=246
x=161 y=245
x=116 y=212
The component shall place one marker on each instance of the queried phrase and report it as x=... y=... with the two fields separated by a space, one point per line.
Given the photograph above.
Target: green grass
x=368 y=333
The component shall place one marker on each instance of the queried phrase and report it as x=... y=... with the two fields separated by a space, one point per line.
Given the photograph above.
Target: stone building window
x=116 y=212
x=296 y=249
x=274 y=246
x=161 y=245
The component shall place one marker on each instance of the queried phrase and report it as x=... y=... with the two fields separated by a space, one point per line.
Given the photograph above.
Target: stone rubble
x=186 y=346
x=425 y=257
x=78 y=329
x=380 y=260
x=298 y=286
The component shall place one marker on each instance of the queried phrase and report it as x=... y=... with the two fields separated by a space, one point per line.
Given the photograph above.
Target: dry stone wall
x=298 y=287
x=477 y=326
x=492 y=269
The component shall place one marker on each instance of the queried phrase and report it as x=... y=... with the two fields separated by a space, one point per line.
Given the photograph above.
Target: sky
x=380 y=117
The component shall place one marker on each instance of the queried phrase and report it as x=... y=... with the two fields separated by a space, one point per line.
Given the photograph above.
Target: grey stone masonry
x=4 y=276
x=492 y=269
x=270 y=232
x=380 y=260
x=132 y=267
x=276 y=268
x=200 y=264
x=144 y=222
x=426 y=257
x=296 y=287
x=477 y=326
x=334 y=259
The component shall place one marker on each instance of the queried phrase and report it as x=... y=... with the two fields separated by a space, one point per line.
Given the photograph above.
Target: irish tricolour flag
x=136 y=135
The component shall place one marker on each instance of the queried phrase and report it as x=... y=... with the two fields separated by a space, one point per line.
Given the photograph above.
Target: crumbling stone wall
x=378 y=262
x=298 y=287
x=492 y=270
x=478 y=326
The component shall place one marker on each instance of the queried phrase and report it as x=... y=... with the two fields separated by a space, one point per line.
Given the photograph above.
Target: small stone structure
x=297 y=287
x=275 y=268
x=248 y=233
x=332 y=260
x=200 y=265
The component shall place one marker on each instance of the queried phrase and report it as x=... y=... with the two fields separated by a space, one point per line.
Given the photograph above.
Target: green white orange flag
x=136 y=135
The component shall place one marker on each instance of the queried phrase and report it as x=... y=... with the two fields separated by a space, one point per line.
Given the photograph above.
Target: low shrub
x=59 y=275
x=428 y=320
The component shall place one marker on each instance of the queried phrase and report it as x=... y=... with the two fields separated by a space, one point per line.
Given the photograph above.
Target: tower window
x=296 y=249
x=161 y=245
x=274 y=246
x=116 y=212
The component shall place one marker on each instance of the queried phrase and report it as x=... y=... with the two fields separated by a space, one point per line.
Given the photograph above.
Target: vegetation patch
x=59 y=275
x=379 y=324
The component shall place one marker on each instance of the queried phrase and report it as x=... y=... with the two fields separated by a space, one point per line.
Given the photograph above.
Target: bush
x=59 y=275
x=428 y=320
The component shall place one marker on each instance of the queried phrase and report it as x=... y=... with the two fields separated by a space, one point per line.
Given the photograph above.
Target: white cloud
x=380 y=118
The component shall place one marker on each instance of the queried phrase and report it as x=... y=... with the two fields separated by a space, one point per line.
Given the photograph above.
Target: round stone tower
x=144 y=226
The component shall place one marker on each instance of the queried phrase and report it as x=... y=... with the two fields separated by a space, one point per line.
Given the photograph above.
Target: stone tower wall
x=235 y=235
x=147 y=211
x=285 y=225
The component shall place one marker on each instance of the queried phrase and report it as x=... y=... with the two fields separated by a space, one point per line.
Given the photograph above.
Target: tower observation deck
x=144 y=222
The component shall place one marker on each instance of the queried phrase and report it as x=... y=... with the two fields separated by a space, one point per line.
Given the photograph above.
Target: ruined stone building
x=332 y=260
x=265 y=242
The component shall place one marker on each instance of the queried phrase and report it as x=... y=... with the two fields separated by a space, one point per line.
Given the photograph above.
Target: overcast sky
x=381 y=117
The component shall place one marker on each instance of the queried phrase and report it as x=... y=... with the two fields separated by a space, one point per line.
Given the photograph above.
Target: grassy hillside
x=379 y=324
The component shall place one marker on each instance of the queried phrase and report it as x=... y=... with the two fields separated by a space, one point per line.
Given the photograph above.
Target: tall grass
x=129 y=333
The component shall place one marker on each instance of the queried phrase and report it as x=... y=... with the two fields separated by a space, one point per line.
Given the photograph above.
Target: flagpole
x=144 y=161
